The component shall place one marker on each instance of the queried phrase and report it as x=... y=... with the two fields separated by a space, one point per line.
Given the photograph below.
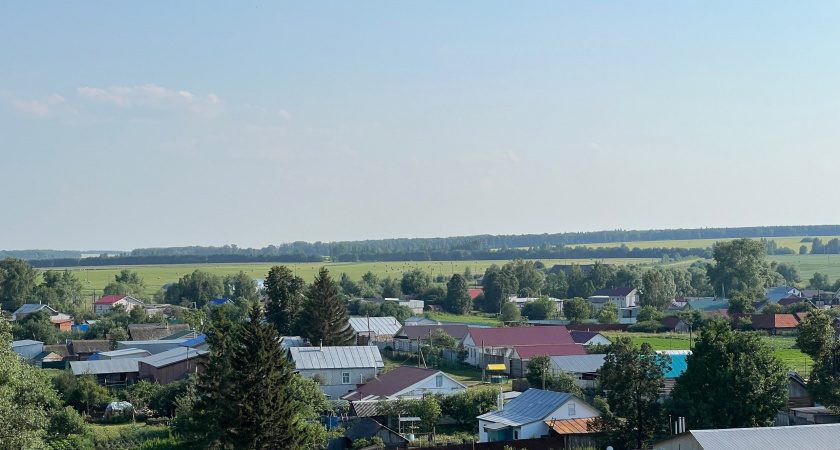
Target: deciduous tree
x=458 y=300
x=576 y=310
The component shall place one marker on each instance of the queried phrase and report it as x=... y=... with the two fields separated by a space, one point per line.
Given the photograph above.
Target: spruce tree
x=323 y=319
x=285 y=297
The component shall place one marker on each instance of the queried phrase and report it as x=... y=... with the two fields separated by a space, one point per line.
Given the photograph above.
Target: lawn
x=474 y=317
x=783 y=346
x=808 y=264
x=465 y=374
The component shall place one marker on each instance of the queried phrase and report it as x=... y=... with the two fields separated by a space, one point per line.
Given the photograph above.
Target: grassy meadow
x=155 y=276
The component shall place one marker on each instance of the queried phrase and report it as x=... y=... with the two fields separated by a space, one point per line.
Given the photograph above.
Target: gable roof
x=172 y=356
x=367 y=428
x=154 y=331
x=582 y=337
x=769 y=321
x=106 y=366
x=529 y=351
x=802 y=437
x=415 y=332
x=614 y=292
x=777 y=293
x=791 y=300
x=709 y=305
x=111 y=299
x=60 y=349
x=509 y=337
x=382 y=326
x=532 y=406
x=345 y=357
x=475 y=292
x=32 y=307
x=392 y=383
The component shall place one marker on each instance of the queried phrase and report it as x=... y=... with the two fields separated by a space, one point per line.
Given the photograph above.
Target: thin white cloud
x=504 y=156
x=151 y=96
x=39 y=108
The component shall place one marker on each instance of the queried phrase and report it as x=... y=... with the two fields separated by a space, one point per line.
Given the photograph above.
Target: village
x=560 y=381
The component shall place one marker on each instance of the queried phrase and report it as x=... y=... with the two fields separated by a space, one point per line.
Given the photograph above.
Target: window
x=515 y=434
x=439 y=381
x=345 y=377
x=571 y=409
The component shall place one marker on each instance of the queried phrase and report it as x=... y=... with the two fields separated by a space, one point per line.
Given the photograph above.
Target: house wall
x=167 y=374
x=682 y=442
x=533 y=430
x=429 y=386
x=335 y=388
x=29 y=351
x=598 y=339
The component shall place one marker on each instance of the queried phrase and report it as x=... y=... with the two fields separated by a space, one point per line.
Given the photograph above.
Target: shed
x=153 y=347
x=27 y=348
x=368 y=428
x=171 y=365
x=109 y=372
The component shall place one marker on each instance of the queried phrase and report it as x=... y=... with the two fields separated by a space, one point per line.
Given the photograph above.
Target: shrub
x=650 y=326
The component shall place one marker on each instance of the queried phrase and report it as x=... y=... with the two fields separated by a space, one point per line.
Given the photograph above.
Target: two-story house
x=107 y=302
x=623 y=297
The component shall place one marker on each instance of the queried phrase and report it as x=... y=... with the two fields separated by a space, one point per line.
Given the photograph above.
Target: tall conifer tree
x=323 y=319
x=285 y=297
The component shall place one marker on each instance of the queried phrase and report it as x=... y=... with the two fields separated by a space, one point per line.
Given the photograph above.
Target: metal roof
x=509 y=337
x=570 y=426
x=25 y=342
x=346 y=357
x=395 y=382
x=678 y=366
x=529 y=351
x=195 y=342
x=414 y=332
x=102 y=367
x=533 y=405
x=125 y=352
x=578 y=363
x=172 y=356
x=804 y=437
x=292 y=341
x=382 y=326
x=32 y=307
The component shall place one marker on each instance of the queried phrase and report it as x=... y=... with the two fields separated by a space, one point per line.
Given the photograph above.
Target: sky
x=128 y=125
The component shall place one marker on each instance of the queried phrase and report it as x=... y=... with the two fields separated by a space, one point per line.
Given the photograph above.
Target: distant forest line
x=459 y=248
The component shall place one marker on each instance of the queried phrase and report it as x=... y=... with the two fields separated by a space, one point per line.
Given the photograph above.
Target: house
x=527 y=415
x=153 y=347
x=164 y=368
x=787 y=301
x=777 y=293
x=84 y=349
x=154 y=331
x=27 y=348
x=475 y=293
x=420 y=320
x=772 y=323
x=678 y=365
x=408 y=338
x=522 y=354
x=522 y=301
x=292 y=341
x=62 y=324
x=368 y=428
x=675 y=324
x=64 y=350
x=108 y=372
x=805 y=437
x=587 y=338
x=48 y=360
x=496 y=345
x=575 y=432
x=30 y=308
x=623 y=297
x=107 y=302
x=374 y=329
x=583 y=368
x=599 y=327
x=341 y=367
x=709 y=306
x=405 y=382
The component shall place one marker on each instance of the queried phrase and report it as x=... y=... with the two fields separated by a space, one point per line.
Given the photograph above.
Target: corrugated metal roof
x=32 y=307
x=345 y=357
x=382 y=326
x=570 y=426
x=124 y=352
x=709 y=305
x=578 y=363
x=414 y=332
x=678 y=366
x=531 y=406
x=104 y=366
x=802 y=437
x=172 y=356
x=198 y=340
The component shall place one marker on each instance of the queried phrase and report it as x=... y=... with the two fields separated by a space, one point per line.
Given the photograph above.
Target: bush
x=650 y=326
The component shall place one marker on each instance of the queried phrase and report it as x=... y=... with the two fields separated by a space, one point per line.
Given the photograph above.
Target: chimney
x=321 y=347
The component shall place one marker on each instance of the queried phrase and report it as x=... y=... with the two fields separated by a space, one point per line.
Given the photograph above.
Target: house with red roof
x=405 y=382
x=475 y=292
x=107 y=302
x=500 y=345
x=522 y=354
x=772 y=323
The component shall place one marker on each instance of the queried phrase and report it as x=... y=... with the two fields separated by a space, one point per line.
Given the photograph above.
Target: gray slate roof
x=32 y=307
x=578 y=363
x=102 y=367
x=533 y=405
x=382 y=326
x=801 y=437
x=25 y=342
x=172 y=356
x=154 y=331
x=347 y=357
x=292 y=341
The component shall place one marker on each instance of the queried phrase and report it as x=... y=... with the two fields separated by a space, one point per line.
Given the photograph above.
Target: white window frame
x=345 y=376
x=571 y=409
x=439 y=380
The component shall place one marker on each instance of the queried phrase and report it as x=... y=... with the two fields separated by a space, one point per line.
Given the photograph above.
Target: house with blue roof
x=777 y=293
x=529 y=415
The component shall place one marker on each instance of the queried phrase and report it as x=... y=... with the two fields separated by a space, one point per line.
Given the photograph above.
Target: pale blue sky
x=209 y=123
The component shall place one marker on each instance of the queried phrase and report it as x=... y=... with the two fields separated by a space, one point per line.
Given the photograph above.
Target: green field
x=783 y=346
x=793 y=243
x=808 y=264
x=155 y=276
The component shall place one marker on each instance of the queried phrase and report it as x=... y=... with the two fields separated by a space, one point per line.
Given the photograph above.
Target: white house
x=107 y=302
x=497 y=345
x=341 y=367
x=521 y=301
x=406 y=382
x=30 y=308
x=587 y=338
x=525 y=416
x=623 y=297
